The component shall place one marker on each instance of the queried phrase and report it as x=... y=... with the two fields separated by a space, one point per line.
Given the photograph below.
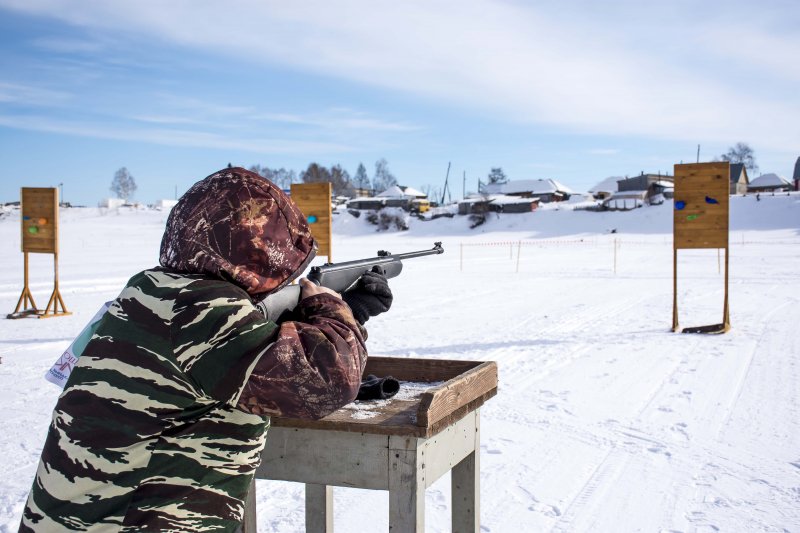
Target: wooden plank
x=701 y=224
x=443 y=451
x=455 y=393
x=418 y=370
x=315 y=199
x=39 y=219
x=324 y=457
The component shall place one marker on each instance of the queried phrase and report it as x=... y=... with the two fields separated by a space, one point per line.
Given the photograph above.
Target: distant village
x=521 y=196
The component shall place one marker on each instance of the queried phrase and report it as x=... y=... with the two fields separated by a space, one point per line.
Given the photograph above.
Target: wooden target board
x=314 y=200
x=39 y=220
x=701 y=219
x=702 y=198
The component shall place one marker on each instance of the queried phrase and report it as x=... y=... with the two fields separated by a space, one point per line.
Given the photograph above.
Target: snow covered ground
x=604 y=421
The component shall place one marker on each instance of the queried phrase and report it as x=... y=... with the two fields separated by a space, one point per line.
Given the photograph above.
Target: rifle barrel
x=333 y=267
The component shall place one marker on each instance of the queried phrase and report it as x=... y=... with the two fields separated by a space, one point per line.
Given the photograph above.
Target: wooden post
x=319 y=508
x=406 y=487
x=726 y=316
x=675 y=326
x=465 y=480
x=519 y=251
x=26 y=297
x=249 y=524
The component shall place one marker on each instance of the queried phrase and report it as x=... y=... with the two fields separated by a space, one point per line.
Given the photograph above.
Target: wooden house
x=739 y=179
x=546 y=190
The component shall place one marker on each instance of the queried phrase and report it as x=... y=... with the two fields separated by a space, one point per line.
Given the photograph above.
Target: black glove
x=375 y=388
x=371 y=296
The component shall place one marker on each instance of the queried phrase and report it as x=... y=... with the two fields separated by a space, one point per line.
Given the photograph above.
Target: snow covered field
x=604 y=421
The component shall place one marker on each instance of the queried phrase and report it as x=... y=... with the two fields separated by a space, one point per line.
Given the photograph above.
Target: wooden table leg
x=465 y=479
x=406 y=492
x=249 y=524
x=319 y=508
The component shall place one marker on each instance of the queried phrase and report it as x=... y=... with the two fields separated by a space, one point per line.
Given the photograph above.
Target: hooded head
x=238 y=226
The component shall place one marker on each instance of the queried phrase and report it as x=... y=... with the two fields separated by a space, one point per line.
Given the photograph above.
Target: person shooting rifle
x=163 y=420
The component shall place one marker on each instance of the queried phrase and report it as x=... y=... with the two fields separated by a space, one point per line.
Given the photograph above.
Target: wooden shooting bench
x=402 y=445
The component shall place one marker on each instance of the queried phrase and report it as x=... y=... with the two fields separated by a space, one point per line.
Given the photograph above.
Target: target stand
x=39 y=225
x=701 y=220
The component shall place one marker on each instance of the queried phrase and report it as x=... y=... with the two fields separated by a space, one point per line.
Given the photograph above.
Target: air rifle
x=339 y=277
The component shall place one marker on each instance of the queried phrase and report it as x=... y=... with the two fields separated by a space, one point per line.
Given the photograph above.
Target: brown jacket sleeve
x=313 y=368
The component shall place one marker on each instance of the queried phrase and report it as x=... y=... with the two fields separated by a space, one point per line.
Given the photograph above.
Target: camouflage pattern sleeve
x=314 y=367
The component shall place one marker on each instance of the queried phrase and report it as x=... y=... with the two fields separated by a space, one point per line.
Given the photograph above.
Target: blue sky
x=575 y=91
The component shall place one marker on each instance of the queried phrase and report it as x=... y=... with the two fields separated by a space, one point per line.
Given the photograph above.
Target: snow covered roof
x=769 y=180
x=607 y=185
x=546 y=186
x=504 y=199
x=665 y=184
x=627 y=194
x=411 y=191
x=394 y=191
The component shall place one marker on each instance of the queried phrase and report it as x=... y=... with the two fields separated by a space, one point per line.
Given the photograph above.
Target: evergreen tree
x=361 y=180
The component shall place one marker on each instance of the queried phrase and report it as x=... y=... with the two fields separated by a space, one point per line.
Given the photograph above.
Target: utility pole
x=464 y=186
x=61 y=192
x=698 y=153
x=447 y=176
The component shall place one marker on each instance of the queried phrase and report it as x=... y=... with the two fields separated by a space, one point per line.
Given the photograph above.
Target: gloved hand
x=371 y=295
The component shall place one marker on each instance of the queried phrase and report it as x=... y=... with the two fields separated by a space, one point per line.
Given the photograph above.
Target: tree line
x=124 y=185
x=342 y=183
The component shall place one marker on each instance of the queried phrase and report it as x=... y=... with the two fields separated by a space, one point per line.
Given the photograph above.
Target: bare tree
x=340 y=178
x=315 y=173
x=496 y=175
x=281 y=177
x=123 y=185
x=383 y=178
x=741 y=153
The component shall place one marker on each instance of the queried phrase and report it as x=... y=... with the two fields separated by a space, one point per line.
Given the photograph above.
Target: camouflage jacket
x=162 y=422
x=157 y=432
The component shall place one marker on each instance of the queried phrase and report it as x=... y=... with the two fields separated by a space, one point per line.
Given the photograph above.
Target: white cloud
x=30 y=95
x=338 y=119
x=626 y=69
x=171 y=137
